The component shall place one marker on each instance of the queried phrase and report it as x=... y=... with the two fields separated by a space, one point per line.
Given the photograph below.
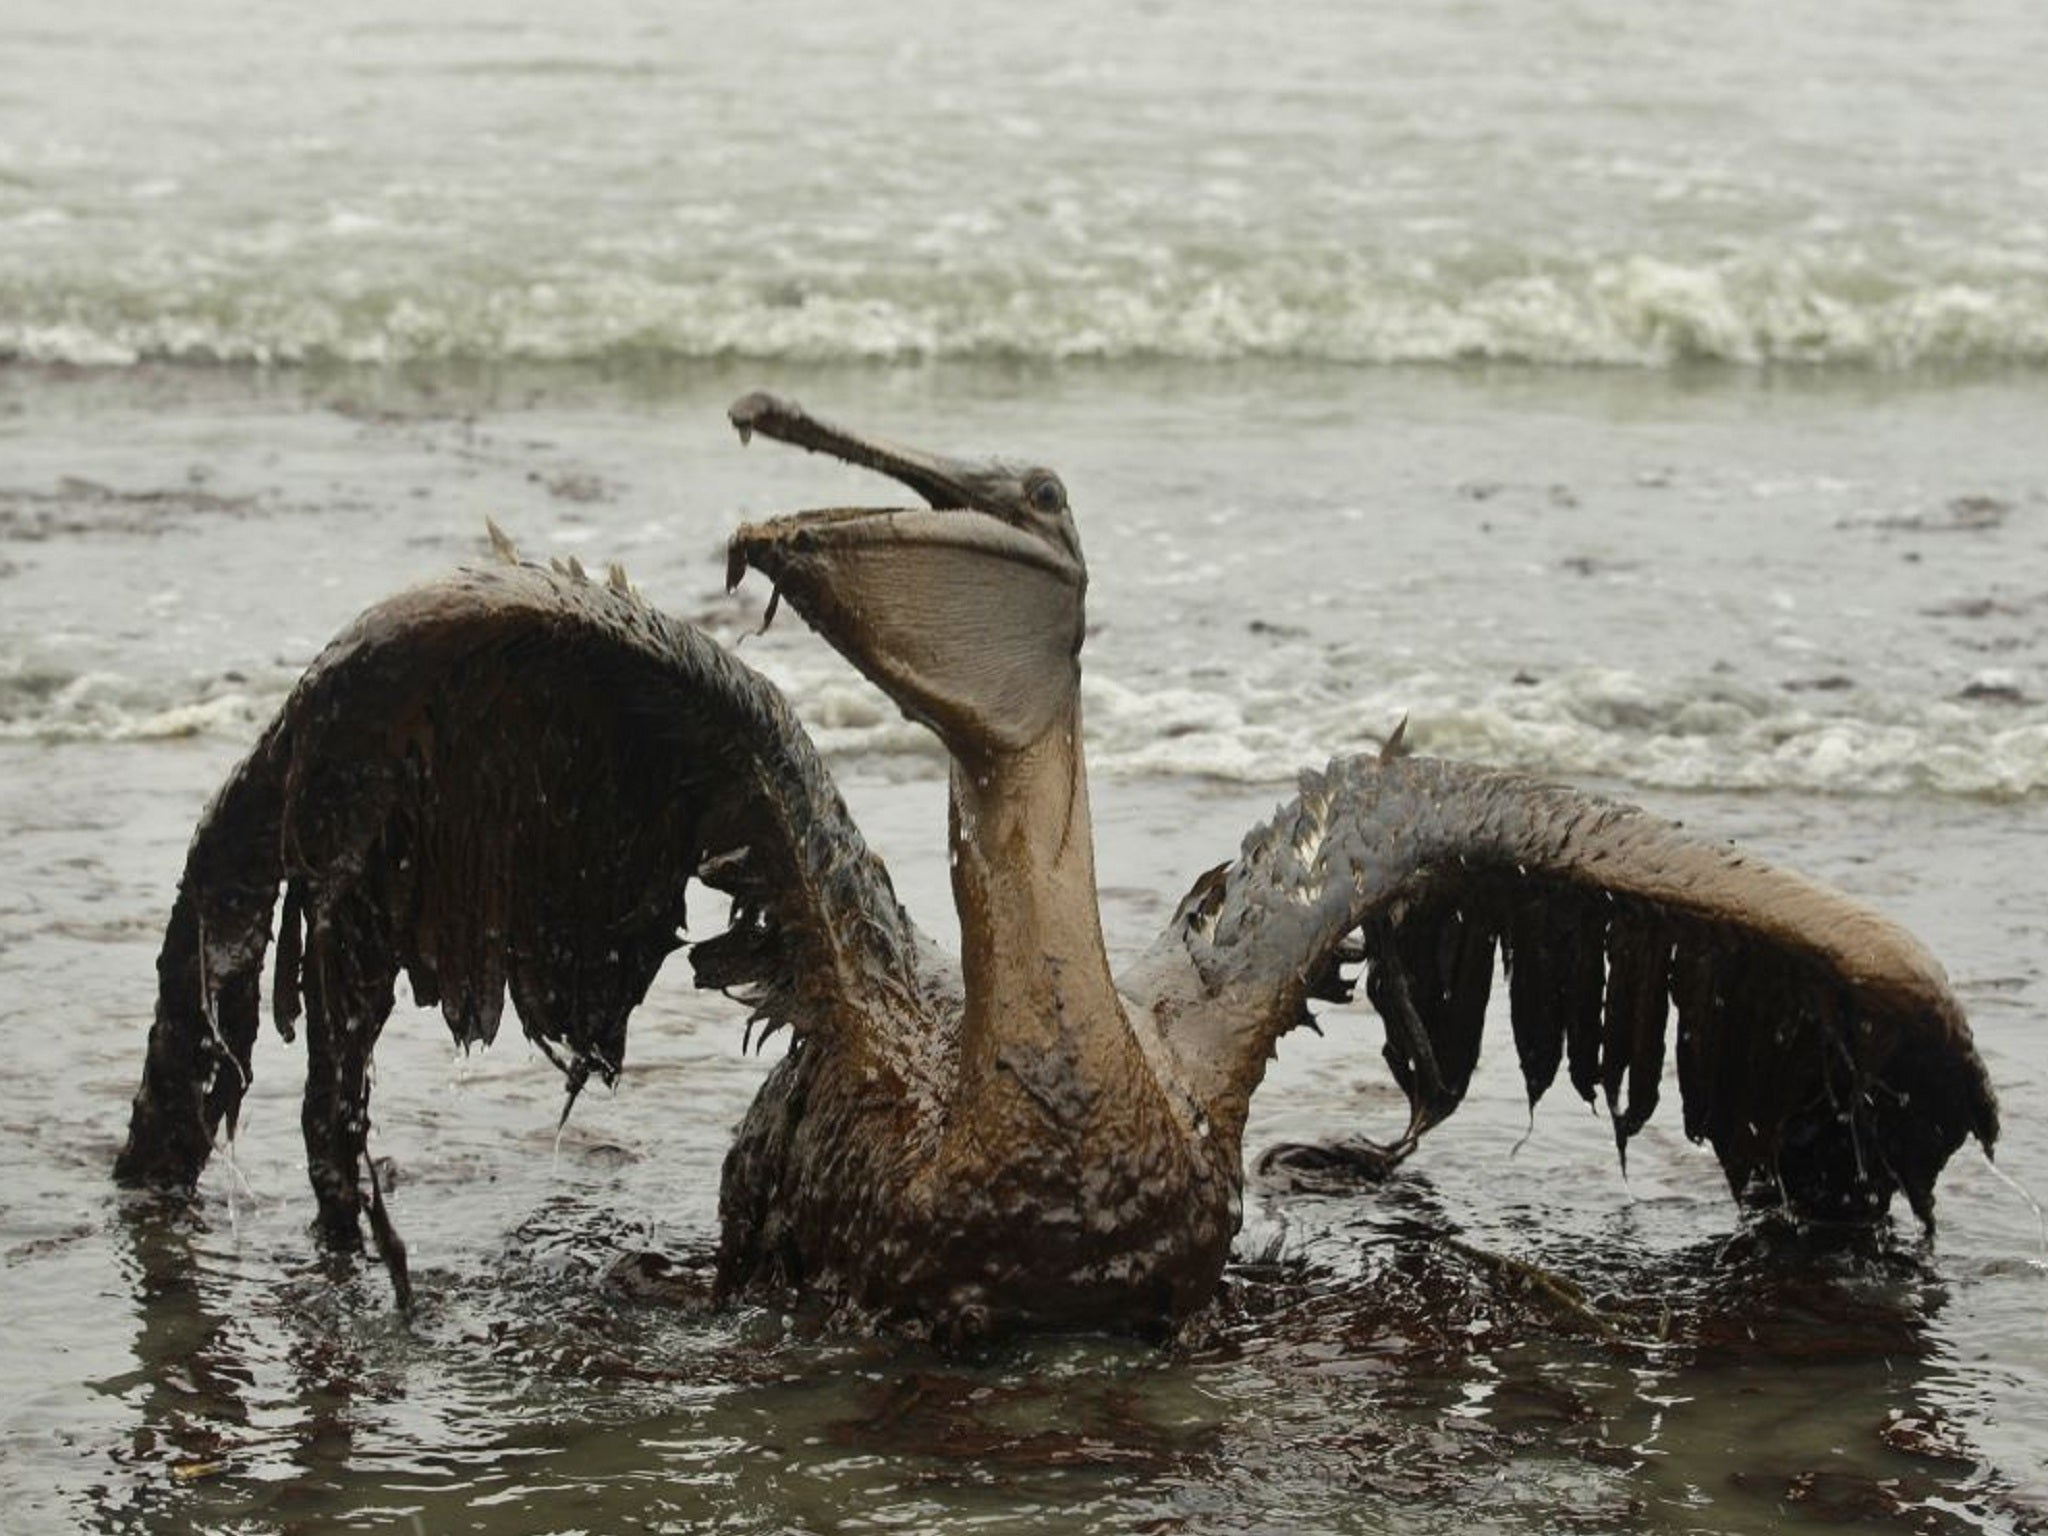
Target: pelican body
x=507 y=780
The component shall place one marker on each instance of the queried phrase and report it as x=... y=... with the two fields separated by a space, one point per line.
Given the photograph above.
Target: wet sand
x=173 y=547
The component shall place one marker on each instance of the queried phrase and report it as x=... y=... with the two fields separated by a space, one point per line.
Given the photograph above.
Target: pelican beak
x=967 y=612
x=942 y=482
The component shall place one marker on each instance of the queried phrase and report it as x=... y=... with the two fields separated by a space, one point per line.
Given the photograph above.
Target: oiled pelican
x=509 y=778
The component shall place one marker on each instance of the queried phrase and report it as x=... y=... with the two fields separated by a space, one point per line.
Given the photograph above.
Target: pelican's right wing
x=507 y=779
x=1819 y=1048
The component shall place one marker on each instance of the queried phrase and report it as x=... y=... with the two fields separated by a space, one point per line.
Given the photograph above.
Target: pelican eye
x=1046 y=494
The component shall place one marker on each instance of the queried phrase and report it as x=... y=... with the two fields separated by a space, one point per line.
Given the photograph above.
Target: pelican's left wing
x=1819 y=1048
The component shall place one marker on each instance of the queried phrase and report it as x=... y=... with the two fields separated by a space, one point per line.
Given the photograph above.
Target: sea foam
x=1599 y=723
x=1632 y=311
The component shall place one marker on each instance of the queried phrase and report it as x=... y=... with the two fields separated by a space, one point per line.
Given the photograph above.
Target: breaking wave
x=1636 y=311
x=1597 y=724
x=48 y=702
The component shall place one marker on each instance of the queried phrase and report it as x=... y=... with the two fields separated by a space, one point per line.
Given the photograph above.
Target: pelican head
x=968 y=612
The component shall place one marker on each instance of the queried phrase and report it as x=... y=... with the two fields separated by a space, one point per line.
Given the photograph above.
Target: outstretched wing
x=506 y=780
x=1819 y=1049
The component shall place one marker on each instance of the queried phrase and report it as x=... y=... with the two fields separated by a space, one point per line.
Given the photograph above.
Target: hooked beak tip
x=747 y=412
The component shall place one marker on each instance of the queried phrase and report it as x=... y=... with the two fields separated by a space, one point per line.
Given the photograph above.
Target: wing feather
x=504 y=783
x=1819 y=1049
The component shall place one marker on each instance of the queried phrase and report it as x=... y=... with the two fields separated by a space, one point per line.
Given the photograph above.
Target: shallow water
x=1677 y=562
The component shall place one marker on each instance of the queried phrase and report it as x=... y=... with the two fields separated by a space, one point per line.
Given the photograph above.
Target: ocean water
x=1642 y=396
x=1585 y=183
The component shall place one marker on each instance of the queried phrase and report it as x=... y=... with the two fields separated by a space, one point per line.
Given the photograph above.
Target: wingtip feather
x=501 y=542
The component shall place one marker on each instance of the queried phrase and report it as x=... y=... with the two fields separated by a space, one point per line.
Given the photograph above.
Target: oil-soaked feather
x=1632 y=1034
x=1819 y=1052
x=1410 y=1051
x=1582 y=955
x=1536 y=992
x=1439 y=958
x=504 y=782
x=284 y=985
x=1696 y=996
x=209 y=973
x=1469 y=974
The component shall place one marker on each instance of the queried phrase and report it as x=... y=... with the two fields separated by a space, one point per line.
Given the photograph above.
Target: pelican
x=509 y=779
